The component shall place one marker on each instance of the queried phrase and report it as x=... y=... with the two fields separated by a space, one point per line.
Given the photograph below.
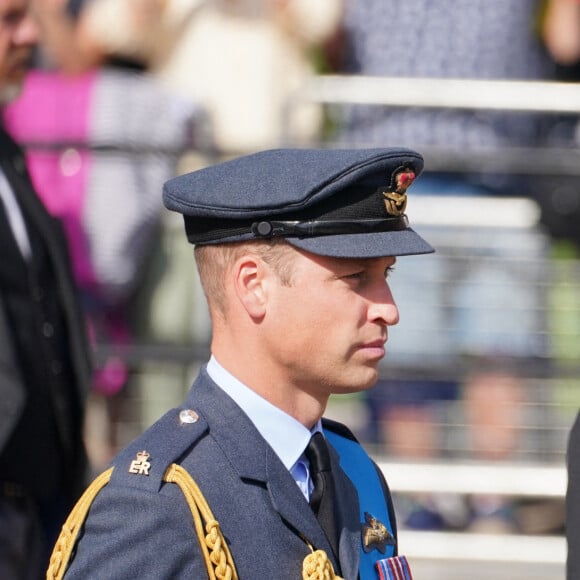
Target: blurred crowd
x=125 y=94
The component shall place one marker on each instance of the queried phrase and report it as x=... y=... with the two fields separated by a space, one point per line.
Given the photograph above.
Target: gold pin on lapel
x=140 y=465
x=375 y=535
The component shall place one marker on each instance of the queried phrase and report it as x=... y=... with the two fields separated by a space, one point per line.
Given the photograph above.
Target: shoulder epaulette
x=143 y=462
x=168 y=439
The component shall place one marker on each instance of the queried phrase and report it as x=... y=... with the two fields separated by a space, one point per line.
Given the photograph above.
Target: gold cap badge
x=396 y=196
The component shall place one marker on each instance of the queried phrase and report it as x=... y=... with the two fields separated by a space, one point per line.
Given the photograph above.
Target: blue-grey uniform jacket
x=139 y=527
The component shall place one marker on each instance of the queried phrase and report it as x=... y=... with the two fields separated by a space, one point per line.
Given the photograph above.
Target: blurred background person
x=239 y=59
x=45 y=368
x=108 y=133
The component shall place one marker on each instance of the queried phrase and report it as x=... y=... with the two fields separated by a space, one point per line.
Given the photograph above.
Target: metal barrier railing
x=499 y=95
x=532 y=97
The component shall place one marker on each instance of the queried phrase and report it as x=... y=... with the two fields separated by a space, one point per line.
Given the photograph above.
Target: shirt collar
x=287 y=436
x=14 y=216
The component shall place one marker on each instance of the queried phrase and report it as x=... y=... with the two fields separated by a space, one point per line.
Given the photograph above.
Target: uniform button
x=19 y=164
x=37 y=293
x=188 y=416
x=56 y=367
x=47 y=330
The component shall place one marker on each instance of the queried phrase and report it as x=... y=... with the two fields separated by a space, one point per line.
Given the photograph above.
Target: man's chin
x=359 y=384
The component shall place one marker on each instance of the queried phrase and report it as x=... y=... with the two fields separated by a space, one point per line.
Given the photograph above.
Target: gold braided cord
x=216 y=553
x=68 y=535
x=317 y=566
x=218 y=559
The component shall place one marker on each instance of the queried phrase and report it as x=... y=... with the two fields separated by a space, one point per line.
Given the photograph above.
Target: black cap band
x=312 y=228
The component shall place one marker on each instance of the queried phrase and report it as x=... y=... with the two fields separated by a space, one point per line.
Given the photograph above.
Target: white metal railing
x=484 y=548
x=510 y=480
x=499 y=95
x=507 y=479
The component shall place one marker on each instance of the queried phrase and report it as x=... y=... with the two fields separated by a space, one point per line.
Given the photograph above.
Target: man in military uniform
x=293 y=249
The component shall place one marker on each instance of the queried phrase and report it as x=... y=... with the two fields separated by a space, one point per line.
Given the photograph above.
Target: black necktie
x=323 y=494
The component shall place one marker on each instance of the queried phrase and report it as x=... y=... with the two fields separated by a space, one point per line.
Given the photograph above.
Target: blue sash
x=362 y=472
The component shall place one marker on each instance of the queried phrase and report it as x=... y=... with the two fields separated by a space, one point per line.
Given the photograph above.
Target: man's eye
x=389 y=271
x=354 y=276
x=12 y=18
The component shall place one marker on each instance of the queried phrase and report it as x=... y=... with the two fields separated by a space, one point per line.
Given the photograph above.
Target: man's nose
x=27 y=32
x=383 y=307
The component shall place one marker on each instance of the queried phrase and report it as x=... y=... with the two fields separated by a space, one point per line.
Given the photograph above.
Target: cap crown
x=309 y=193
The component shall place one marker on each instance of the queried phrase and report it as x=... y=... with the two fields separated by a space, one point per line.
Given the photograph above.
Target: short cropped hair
x=213 y=261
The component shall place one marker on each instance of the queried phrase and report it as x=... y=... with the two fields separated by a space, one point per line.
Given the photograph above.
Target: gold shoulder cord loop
x=216 y=553
x=218 y=559
x=70 y=530
x=217 y=556
x=317 y=566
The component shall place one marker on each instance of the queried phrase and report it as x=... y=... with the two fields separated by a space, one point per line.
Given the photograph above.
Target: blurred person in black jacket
x=44 y=360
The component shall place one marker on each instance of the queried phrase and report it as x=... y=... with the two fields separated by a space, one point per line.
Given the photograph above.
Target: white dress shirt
x=14 y=216
x=287 y=436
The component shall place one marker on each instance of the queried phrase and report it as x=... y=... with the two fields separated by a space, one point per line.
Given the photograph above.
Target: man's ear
x=250 y=276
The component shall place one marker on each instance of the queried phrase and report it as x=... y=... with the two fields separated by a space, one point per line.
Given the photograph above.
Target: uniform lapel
x=348 y=519
x=256 y=461
x=288 y=501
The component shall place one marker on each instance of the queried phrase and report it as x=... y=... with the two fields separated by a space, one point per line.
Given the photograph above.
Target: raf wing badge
x=140 y=465
x=375 y=535
x=396 y=195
